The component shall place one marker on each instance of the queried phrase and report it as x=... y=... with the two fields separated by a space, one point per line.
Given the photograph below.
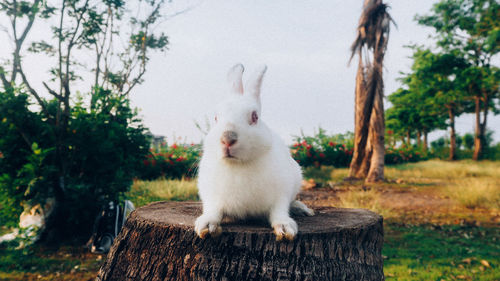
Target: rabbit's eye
x=254 y=119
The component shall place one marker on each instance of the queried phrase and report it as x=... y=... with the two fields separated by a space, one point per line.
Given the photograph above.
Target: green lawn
x=460 y=250
x=441 y=253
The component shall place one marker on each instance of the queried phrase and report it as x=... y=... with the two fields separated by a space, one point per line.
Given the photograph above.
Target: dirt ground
x=400 y=203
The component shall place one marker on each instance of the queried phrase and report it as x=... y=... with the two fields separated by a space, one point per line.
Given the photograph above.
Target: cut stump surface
x=158 y=242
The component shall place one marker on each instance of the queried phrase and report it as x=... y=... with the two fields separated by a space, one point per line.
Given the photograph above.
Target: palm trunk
x=453 y=143
x=365 y=164
x=408 y=138
x=372 y=35
x=362 y=117
x=377 y=133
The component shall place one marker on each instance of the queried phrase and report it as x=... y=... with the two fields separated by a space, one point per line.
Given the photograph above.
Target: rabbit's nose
x=229 y=138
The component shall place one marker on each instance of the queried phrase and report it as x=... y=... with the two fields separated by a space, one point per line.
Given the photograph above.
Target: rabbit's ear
x=234 y=77
x=255 y=82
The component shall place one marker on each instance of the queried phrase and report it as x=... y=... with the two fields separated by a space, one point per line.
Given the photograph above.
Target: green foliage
x=403 y=155
x=103 y=145
x=322 y=149
x=336 y=151
x=23 y=170
x=493 y=152
x=171 y=162
x=465 y=147
x=468 y=140
x=470 y=26
x=86 y=153
x=470 y=31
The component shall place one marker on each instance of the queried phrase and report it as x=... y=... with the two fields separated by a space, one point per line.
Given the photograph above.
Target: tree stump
x=158 y=242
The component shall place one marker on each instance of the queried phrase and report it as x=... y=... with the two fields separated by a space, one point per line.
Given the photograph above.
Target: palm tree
x=370 y=46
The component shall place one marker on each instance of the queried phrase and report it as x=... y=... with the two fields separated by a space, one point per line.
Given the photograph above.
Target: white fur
x=261 y=179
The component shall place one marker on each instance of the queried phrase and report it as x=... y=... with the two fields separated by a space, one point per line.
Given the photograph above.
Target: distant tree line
x=453 y=77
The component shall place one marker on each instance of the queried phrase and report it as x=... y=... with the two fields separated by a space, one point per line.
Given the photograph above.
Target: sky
x=305 y=44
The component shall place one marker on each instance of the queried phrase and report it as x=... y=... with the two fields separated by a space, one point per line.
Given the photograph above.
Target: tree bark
x=377 y=132
x=453 y=141
x=480 y=131
x=426 y=142
x=158 y=243
x=363 y=108
x=365 y=164
x=419 y=139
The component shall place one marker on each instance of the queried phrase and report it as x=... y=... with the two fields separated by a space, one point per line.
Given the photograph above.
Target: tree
x=372 y=36
x=441 y=76
x=84 y=29
x=471 y=28
x=400 y=118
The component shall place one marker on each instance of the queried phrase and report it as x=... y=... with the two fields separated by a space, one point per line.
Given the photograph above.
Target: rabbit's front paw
x=204 y=225
x=286 y=229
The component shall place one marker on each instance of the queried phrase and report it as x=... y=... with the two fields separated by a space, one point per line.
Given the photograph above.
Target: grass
x=68 y=262
x=413 y=249
x=475 y=192
x=471 y=184
x=367 y=199
x=441 y=253
x=445 y=170
x=417 y=249
x=145 y=192
x=72 y=262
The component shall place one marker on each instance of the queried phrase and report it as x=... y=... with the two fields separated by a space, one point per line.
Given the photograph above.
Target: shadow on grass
x=68 y=262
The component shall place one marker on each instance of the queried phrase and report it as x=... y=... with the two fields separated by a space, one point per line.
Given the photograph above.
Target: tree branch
x=19 y=41
x=5 y=83
x=35 y=94
x=52 y=92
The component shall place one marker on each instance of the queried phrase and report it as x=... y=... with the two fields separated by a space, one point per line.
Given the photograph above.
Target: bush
x=96 y=162
x=321 y=149
x=171 y=162
x=336 y=150
x=21 y=158
x=402 y=155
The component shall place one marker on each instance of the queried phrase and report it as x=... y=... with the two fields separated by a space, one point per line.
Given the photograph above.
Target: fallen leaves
x=485 y=263
x=309 y=184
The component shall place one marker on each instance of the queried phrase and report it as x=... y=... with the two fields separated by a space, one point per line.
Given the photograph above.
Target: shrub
x=402 y=155
x=102 y=147
x=171 y=162
x=321 y=149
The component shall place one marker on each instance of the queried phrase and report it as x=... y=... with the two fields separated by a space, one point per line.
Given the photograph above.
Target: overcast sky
x=305 y=45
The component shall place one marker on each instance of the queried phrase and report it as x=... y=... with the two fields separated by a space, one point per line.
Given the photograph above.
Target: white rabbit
x=246 y=169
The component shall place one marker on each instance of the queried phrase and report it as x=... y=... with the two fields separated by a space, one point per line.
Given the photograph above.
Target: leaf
x=485 y=263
